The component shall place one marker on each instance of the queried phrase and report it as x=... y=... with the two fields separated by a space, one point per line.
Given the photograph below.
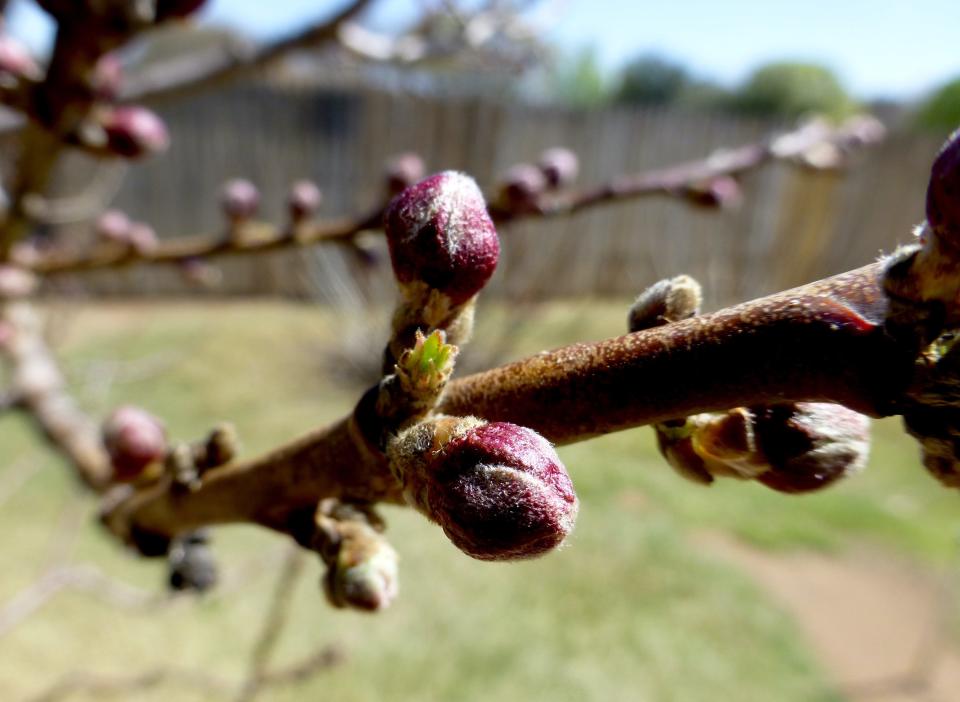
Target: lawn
x=633 y=608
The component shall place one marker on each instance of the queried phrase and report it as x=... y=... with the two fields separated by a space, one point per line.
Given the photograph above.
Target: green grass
x=631 y=608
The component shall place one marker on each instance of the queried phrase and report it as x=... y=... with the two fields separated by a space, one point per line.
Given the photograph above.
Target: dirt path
x=877 y=625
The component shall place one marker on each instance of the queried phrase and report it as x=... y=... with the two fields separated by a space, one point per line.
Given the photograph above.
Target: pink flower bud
x=174 y=9
x=114 y=226
x=722 y=192
x=304 y=201
x=810 y=445
x=520 y=187
x=133 y=132
x=108 y=77
x=498 y=490
x=15 y=60
x=943 y=192
x=239 y=200
x=134 y=439
x=440 y=235
x=402 y=171
x=560 y=166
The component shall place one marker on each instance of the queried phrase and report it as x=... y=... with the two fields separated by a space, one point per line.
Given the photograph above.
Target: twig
x=16 y=476
x=273 y=624
x=103 y=685
x=193 y=73
x=37 y=380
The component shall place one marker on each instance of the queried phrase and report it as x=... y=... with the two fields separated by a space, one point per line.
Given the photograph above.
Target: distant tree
x=786 y=89
x=941 y=110
x=577 y=80
x=652 y=80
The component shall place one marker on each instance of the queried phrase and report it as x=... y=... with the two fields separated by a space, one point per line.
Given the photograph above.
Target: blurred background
x=667 y=591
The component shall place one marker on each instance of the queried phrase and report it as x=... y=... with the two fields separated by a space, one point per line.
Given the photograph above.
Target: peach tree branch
x=688 y=182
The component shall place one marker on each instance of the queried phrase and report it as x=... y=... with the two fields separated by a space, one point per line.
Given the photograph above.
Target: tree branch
x=200 y=71
x=675 y=181
x=753 y=354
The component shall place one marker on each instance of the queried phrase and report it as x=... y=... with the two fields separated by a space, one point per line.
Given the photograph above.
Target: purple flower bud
x=943 y=192
x=560 y=166
x=173 y=9
x=440 y=235
x=134 y=439
x=402 y=171
x=114 y=226
x=108 y=77
x=304 y=201
x=520 y=187
x=239 y=200
x=16 y=60
x=133 y=132
x=810 y=445
x=498 y=490
x=722 y=192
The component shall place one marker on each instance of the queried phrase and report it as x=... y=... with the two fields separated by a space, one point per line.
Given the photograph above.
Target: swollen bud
x=943 y=191
x=362 y=573
x=133 y=132
x=441 y=236
x=498 y=490
x=134 y=439
x=810 y=445
x=666 y=301
x=114 y=226
x=521 y=186
x=402 y=171
x=304 y=200
x=560 y=166
x=722 y=192
x=239 y=200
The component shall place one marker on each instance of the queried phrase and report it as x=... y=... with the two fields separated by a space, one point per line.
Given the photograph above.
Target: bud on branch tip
x=440 y=235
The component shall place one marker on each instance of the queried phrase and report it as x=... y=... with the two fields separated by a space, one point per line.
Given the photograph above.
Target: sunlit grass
x=630 y=609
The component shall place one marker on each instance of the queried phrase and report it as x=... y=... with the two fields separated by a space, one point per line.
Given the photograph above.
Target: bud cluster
x=791 y=448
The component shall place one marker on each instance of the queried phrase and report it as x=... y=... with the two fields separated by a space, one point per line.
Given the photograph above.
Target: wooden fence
x=793 y=227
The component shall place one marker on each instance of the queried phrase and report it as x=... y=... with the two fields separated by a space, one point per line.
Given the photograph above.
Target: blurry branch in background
x=709 y=183
x=450 y=32
x=202 y=70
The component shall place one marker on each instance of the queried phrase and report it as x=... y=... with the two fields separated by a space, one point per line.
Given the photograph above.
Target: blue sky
x=878 y=47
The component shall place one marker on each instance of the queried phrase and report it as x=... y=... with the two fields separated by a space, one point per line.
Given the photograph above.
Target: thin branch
x=104 y=685
x=274 y=623
x=197 y=72
x=39 y=383
x=670 y=182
